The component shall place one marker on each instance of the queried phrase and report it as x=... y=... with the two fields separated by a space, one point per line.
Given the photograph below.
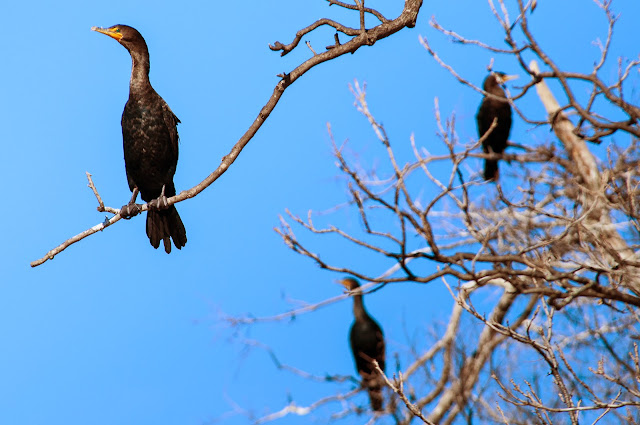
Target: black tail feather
x=374 y=387
x=490 y=169
x=164 y=225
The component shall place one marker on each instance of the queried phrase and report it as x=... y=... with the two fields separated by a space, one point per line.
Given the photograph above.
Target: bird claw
x=130 y=210
x=160 y=203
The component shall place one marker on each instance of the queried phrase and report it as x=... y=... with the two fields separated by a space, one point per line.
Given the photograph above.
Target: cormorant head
x=350 y=283
x=496 y=79
x=128 y=36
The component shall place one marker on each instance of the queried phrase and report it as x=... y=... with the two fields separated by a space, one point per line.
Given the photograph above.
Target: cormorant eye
x=117 y=30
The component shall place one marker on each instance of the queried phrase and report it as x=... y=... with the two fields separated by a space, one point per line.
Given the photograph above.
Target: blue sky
x=115 y=332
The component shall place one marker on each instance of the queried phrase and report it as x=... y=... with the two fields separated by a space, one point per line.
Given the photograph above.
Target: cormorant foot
x=130 y=210
x=160 y=203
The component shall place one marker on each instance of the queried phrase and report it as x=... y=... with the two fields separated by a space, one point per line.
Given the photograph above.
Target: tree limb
x=406 y=19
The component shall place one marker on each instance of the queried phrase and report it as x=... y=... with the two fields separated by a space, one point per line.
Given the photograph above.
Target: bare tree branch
x=406 y=19
x=542 y=267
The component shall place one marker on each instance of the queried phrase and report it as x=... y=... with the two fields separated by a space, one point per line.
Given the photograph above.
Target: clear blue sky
x=115 y=332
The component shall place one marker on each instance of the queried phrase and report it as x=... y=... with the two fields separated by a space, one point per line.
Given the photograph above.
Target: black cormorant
x=367 y=344
x=492 y=108
x=150 y=139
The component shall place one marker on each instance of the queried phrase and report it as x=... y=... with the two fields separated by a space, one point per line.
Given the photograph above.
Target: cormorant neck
x=358 y=308
x=139 y=68
x=498 y=91
x=494 y=88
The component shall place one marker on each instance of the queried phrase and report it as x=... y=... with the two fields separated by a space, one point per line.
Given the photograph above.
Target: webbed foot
x=130 y=210
x=160 y=203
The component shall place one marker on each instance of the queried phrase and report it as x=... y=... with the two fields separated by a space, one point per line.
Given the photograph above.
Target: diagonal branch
x=397 y=387
x=407 y=19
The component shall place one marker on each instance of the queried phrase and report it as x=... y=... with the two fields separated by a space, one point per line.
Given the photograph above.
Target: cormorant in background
x=367 y=343
x=491 y=108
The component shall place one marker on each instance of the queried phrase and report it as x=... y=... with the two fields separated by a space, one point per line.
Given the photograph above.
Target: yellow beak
x=111 y=32
x=509 y=78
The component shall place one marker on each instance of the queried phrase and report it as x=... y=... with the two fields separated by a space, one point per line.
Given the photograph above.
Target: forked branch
x=406 y=19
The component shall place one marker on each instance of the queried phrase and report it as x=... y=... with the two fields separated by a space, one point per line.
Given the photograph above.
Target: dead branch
x=542 y=270
x=369 y=37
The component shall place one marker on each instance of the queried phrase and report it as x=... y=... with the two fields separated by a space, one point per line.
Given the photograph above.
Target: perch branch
x=406 y=19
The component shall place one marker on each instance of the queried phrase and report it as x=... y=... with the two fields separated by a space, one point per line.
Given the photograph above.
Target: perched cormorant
x=492 y=108
x=367 y=343
x=150 y=139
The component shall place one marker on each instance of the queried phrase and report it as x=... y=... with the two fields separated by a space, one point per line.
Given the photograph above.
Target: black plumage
x=367 y=344
x=490 y=109
x=150 y=140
